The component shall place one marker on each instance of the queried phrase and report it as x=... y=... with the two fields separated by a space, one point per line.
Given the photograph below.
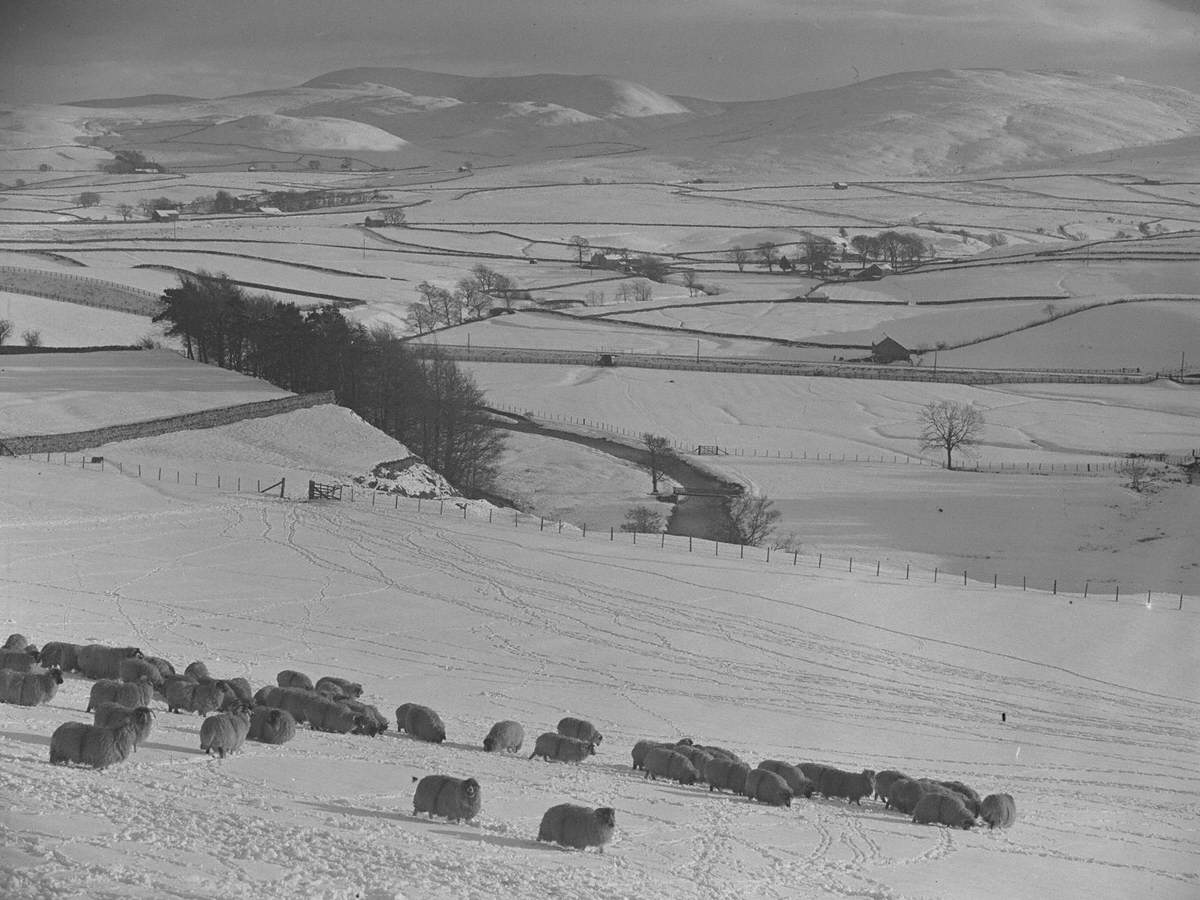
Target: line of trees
x=423 y=400
x=474 y=297
x=894 y=246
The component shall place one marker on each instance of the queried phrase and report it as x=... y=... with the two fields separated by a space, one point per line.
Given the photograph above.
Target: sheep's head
x=489 y=743
x=56 y=674
x=470 y=788
x=607 y=816
x=591 y=749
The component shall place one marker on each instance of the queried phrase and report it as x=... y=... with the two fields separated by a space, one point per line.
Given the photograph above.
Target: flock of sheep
x=126 y=681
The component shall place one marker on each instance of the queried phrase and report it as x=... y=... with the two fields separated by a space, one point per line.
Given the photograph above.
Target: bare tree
x=125 y=210
x=949 y=426
x=594 y=298
x=580 y=244
x=740 y=256
x=394 y=216
x=767 y=252
x=31 y=337
x=659 y=450
x=6 y=328
x=624 y=292
x=752 y=518
x=88 y=198
x=1137 y=470
x=643 y=520
x=690 y=282
x=642 y=291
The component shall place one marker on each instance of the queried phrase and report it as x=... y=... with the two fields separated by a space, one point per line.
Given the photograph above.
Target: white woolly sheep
x=63 y=655
x=943 y=809
x=328 y=715
x=114 y=715
x=29 y=688
x=78 y=742
x=269 y=725
x=102 y=661
x=723 y=774
x=506 y=736
x=767 y=787
x=552 y=745
x=134 y=669
x=796 y=780
x=378 y=724
x=998 y=810
x=225 y=732
x=346 y=688
x=292 y=678
x=668 y=763
x=580 y=729
x=851 y=786
x=294 y=700
x=457 y=799
x=191 y=696
x=422 y=723
x=578 y=827
x=126 y=693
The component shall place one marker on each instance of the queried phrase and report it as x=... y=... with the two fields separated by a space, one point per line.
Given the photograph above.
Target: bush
x=643 y=519
x=31 y=338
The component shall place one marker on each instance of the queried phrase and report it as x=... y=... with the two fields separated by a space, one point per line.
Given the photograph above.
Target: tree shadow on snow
x=498 y=841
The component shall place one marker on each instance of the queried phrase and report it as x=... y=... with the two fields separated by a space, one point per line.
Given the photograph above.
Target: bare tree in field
x=580 y=244
x=752 y=518
x=125 y=210
x=642 y=291
x=6 y=328
x=1137 y=470
x=949 y=426
x=690 y=282
x=660 y=451
x=768 y=253
x=740 y=256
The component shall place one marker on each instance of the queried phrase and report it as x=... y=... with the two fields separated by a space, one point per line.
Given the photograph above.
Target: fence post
x=689 y=543
x=661 y=543
x=239 y=484
x=935 y=573
x=995 y=580
x=1022 y=582
x=768 y=554
x=585 y=529
x=741 y=551
x=906 y=568
x=541 y=523
x=1054 y=590
x=964 y=577
x=516 y=513
x=819 y=556
x=258 y=485
x=1181 y=599
x=876 y=568
x=635 y=537
x=852 y=564
x=1117 y=596
x=418 y=504
x=796 y=556
x=1086 y=584
x=218 y=482
x=441 y=507
x=195 y=479
x=611 y=533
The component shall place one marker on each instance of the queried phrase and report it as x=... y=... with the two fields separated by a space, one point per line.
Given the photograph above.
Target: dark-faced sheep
x=580 y=729
x=345 y=688
x=292 y=678
x=29 y=688
x=884 y=780
x=324 y=714
x=504 y=737
x=578 y=827
x=943 y=809
x=114 y=715
x=641 y=748
x=668 y=763
x=850 y=786
x=726 y=775
x=423 y=723
x=78 y=742
x=102 y=661
x=63 y=655
x=198 y=697
x=378 y=724
x=796 y=780
x=998 y=810
x=768 y=787
x=552 y=745
x=127 y=693
x=225 y=732
x=134 y=669
x=457 y=799
x=269 y=725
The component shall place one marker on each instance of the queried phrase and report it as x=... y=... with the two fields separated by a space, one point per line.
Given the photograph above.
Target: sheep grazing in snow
x=724 y=774
x=239 y=690
x=134 y=669
x=378 y=724
x=851 y=786
x=15 y=642
x=457 y=799
x=796 y=781
x=697 y=756
x=102 y=661
x=78 y=742
x=269 y=725
x=324 y=714
x=504 y=737
x=578 y=827
x=721 y=752
x=18 y=660
x=421 y=722
x=666 y=763
x=114 y=715
x=225 y=732
x=904 y=795
x=344 y=688
x=164 y=667
x=29 y=688
x=884 y=780
x=641 y=748
x=127 y=693
x=768 y=787
x=294 y=700
x=63 y=655
x=998 y=810
x=968 y=796
x=552 y=745
x=192 y=696
x=943 y=809
x=580 y=729
x=197 y=671
x=292 y=678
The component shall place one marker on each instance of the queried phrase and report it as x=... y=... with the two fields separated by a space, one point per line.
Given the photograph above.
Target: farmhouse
x=889 y=350
x=840 y=186
x=873 y=272
x=166 y=215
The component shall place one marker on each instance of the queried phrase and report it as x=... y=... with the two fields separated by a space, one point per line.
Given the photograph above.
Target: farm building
x=166 y=215
x=889 y=350
x=873 y=272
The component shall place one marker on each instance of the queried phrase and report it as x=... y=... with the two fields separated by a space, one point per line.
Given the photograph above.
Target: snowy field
x=1098 y=746
x=70 y=325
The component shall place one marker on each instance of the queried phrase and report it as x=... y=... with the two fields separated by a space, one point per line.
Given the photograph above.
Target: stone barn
x=890 y=351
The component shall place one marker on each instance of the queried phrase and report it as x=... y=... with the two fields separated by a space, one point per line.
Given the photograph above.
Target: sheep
x=377 y=723
x=292 y=678
x=164 y=667
x=883 y=782
x=506 y=736
x=402 y=717
x=722 y=752
x=294 y=700
x=768 y=787
x=578 y=827
x=225 y=732
x=726 y=775
x=553 y=745
x=697 y=756
x=18 y=660
x=849 y=785
x=102 y=661
x=113 y=715
x=29 y=688
x=423 y=723
x=670 y=764
x=15 y=642
x=326 y=715
x=799 y=784
x=197 y=671
x=238 y=690
x=198 y=697
x=998 y=810
x=943 y=809
x=269 y=725
x=813 y=771
x=969 y=798
x=78 y=742
x=641 y=748
x=457 y=799
x=134 y=669
x=63 y=655
x=347 y=688
x=905 y=793
x=580 y=729
x=126 y=693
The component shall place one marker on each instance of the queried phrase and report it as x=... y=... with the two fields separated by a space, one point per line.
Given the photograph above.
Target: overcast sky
x=61 y=50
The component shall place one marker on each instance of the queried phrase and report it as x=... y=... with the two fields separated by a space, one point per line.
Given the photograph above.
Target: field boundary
x=121 y=297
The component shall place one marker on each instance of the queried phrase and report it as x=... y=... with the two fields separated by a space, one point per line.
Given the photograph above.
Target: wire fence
x=78 y=289
x=866 y=567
